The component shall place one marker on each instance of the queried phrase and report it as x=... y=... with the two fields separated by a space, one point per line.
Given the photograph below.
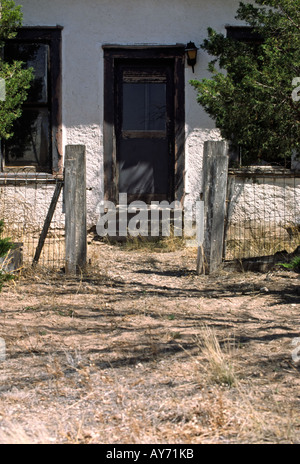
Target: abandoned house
x=113 y=75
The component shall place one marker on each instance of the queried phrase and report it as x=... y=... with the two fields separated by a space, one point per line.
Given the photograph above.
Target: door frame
x=112 y=55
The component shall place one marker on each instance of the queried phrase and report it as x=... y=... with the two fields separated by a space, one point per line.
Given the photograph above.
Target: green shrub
x=250 y=90
x=293 y=265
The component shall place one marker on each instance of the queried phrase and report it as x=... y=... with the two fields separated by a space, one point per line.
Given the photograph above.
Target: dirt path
x=142 y=350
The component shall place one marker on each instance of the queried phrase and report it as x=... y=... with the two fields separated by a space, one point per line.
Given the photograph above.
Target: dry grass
x=139 y=349
x=254 y=241
x=166 y=244
x=220 y=368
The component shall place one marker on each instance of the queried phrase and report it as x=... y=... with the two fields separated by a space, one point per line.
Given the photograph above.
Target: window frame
x=245 y=34
x=248 y=34
x=52 y=37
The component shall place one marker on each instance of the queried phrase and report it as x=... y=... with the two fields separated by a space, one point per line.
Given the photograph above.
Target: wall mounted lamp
x=191 y=53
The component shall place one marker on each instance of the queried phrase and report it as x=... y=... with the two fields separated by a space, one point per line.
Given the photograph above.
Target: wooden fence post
x=215 y=174
x=75 y=208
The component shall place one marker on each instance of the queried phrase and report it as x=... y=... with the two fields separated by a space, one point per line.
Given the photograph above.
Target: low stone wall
x=263 y=212
x=24 y=208
x=24 y=204
x=264 y=198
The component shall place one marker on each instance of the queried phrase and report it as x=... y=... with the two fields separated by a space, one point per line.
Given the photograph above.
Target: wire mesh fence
x=263 y=214
x=25 y=198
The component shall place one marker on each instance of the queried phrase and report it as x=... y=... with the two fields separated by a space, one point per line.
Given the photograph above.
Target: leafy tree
x=17 y=78
x=249 y=94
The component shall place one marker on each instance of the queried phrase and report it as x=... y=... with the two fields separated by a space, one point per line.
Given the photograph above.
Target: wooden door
x=144 y=126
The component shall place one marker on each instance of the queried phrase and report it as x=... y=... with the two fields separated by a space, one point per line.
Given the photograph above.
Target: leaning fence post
x=215 y=174
x=47 y=222
x=75 y=208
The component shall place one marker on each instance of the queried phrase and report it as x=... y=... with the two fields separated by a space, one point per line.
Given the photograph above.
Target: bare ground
x=140 y=349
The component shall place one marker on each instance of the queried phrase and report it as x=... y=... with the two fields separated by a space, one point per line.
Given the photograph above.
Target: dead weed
x=139 y=349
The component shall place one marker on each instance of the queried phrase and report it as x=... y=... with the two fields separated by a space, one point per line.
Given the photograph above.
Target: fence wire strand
x=263 y=215
x=25 y=198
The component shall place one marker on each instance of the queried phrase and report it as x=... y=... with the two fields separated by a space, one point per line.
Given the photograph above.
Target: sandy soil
x=140 y=349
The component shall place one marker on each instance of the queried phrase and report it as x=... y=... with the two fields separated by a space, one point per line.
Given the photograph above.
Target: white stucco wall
x=89 y=24
x=272 y=200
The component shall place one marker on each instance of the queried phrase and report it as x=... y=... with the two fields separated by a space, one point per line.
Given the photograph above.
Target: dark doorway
x=144 y=123
x=145 y=130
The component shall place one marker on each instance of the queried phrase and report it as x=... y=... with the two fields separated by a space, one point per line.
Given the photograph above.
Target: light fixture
x=191 y=53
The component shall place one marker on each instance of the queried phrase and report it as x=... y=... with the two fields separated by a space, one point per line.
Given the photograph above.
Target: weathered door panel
x=145 y=131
